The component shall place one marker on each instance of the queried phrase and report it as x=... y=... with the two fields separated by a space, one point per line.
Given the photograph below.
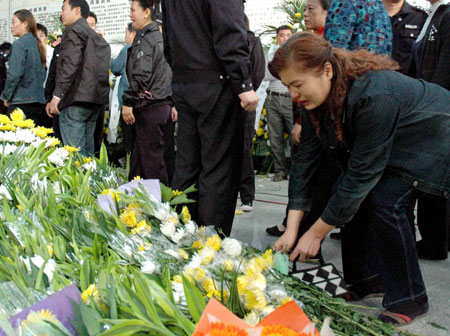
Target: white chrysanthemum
x=90 y=165
x=36 y=143
x=277 y=294
x=148 y=267
x=178 y=292
x=190 y=227
x=25 y=135
x=8 y=137
x=196 y=261
x=252 y=319
x=58 y=157
x=178 y=235
x=168 y=228
x=4 y=193
x=173 y=253
x=232 y=247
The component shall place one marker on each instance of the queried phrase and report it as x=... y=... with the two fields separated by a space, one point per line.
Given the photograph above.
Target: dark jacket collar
x=406 y=9
x=149 y=28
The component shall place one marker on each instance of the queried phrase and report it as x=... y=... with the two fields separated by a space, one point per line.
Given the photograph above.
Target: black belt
x=278 y=94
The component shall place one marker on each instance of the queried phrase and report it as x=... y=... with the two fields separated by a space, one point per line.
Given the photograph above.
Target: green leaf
x=126 y=327
x=90 y=318
x=166 y=193
x=194 y=298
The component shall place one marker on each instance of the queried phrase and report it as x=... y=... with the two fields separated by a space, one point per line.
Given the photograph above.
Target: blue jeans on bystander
x=77 y=124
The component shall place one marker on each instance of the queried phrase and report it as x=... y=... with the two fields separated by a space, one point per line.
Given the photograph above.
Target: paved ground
x=269 y=209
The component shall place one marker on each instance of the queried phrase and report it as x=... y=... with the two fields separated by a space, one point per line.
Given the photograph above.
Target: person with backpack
x=257 y=62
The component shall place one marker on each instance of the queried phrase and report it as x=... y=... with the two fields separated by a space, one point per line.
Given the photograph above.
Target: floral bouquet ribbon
x=287 y=320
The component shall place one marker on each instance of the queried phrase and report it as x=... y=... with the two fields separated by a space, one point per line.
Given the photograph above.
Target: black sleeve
x=258 y=62
x=442 y=73
x=142 y=73
x=165 y=25
x=50 y=84
x=230 y=42
x=69 y=63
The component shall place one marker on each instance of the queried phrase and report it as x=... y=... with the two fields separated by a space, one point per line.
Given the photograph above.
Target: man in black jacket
x=82 y=78
x=205 y=43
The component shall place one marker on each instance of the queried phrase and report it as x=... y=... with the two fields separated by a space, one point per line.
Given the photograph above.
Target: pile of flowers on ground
x=140 y=267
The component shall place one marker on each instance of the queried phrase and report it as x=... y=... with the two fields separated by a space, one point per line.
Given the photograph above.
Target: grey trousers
x=280 y=121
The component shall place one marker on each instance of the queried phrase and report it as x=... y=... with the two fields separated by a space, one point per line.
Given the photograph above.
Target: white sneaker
x=247 y=207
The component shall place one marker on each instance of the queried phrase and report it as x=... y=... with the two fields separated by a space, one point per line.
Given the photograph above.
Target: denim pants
x=380 y=243
x=77 y=125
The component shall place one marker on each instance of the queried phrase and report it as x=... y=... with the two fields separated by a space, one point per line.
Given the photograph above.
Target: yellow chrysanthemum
x=4 y=119
x=176 y=193
x=39 y=132
x=199 y=274
x=222 y=329
x=55 y=142
x=278 y=330
x=242 y=283
x=186 y=215
x=17 y=115
x=141 y=226
x=137 y=178
x=114 y=194
x=264 y=111
x=91 y=291
x=183 y=254
x=71 y=149
x=28 y=123
x=298 y=15
x=198 y=244
x=209 y=286
x=267 y=256
x=207 y=255
x=142 y=248
x=266 y=135
x=128 y=218
x=255 y=299
x=229 y=266
x=87 y=159
x=8 y=127
x=214 y=242
x=77 y=164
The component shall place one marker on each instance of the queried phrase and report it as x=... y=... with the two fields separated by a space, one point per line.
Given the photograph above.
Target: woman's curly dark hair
x=309 y=52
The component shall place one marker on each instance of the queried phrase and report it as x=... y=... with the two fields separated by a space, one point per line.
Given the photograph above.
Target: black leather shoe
x=274 y=231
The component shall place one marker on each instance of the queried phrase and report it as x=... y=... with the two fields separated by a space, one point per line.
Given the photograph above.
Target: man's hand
x=296 y=130
x=53 y=108
x=47 y=110
x=6 y=103
x=249 y=100
x=174 y=114
x=127 y=114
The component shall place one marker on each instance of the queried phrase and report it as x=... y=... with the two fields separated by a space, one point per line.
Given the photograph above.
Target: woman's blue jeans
x=379 y=243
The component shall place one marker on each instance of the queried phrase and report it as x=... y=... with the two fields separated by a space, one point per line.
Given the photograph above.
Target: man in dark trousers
x=205 y=43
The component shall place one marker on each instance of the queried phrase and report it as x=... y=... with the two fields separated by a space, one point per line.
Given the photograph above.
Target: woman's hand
x=309 y=243
x=6 y=103
x=127 y=114
x=286 y=242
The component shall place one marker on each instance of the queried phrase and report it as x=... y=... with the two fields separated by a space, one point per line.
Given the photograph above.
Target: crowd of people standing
x=364 y=95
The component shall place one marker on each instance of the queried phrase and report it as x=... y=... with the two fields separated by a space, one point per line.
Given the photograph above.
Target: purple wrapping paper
x=59 y=304
x=106 y=202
